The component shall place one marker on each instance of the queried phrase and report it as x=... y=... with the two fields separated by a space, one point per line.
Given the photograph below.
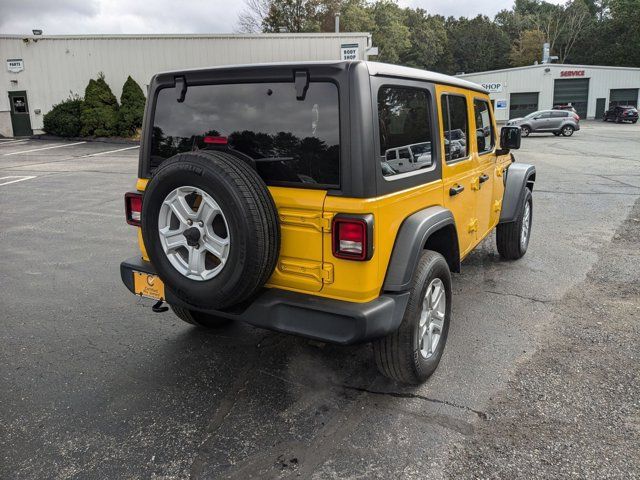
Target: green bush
x=131 y=108
x=64 y=118
x=99 y=115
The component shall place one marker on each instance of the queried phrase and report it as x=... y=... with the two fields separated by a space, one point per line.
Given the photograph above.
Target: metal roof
x=548 y=65
x=170 y=36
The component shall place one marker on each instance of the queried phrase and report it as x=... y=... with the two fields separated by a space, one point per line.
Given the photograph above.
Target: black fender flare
x=518 y=177
x=411 y=239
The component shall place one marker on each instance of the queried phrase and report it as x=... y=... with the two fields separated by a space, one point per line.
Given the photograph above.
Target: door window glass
x=559 y=114
x=19 y=104
x=484 y=127
x=405 y=122
x=454 y=116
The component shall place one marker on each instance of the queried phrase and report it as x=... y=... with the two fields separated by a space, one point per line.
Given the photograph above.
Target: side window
x=405 y=124
x=559 y=114
x=484 y=127
x=454 y=115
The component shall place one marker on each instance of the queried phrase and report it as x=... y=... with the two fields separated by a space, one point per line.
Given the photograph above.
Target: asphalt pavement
x=96 y=385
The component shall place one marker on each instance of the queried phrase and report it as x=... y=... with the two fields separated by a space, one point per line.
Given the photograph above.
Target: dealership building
x=41 y=70
x=516 y=92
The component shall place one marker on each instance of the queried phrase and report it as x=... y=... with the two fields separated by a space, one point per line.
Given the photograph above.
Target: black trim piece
x=310 y=316
x=411 y=240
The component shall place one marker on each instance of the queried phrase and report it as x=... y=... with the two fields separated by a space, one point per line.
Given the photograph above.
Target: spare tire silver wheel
x=194 y=233
x=210 y=228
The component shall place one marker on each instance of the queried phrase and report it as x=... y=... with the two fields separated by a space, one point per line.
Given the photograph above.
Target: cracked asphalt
x=539 y=378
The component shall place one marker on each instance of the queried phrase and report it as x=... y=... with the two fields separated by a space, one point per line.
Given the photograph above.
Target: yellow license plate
x=148 y=285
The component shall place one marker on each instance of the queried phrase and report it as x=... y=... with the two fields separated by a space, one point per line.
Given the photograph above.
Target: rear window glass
x=290 y=140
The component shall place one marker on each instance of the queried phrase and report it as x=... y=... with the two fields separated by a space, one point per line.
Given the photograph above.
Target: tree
x=390 y=34
x=527 y=49
x=291 y=15
x=477 y=44
x=251 y=18
x=131 y=108
x=99 y=115
x=64 y=118
x=429 y=46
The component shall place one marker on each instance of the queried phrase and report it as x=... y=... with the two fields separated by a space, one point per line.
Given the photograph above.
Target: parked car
x=257 y=200
x=621 y=113
x=558 y=122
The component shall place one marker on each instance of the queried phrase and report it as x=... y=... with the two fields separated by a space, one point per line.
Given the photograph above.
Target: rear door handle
x=484 y=177
x=455 y=190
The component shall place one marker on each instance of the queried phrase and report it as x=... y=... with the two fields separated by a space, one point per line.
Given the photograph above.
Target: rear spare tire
x=210 y=228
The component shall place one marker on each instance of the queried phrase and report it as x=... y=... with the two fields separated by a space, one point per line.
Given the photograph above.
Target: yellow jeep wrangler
x=327 y=199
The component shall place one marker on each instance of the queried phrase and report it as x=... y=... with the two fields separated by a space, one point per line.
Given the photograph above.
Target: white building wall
x=56 y=67
x=540 y=78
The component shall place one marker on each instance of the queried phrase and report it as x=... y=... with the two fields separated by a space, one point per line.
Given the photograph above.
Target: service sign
x=572 y=73
x=349 y=51
x=495 y=87
x=15 y=65
x=501 y=104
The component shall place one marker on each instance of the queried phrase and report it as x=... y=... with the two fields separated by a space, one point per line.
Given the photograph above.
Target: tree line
x=592 y=32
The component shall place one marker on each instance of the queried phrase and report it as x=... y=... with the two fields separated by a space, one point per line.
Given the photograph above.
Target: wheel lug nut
x=201 y=224
x=189 y=222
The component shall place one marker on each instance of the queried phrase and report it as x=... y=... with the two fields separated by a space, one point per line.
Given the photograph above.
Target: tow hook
x=158 y=308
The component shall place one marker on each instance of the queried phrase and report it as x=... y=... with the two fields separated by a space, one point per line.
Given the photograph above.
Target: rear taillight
x=133 y=208
x=577 y=117
x=353 y=236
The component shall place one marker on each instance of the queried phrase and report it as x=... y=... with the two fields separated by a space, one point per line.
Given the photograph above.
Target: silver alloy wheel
x=567 y=131
x=526 y=225
x=194 y=233
x=434 y=307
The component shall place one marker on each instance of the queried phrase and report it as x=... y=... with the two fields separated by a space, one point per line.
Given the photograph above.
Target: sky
x=58 y=17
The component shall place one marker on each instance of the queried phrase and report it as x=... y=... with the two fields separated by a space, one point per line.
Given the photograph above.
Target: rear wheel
x=198 y=318
x=412 y=353
x=634 y=121
x=512 y=238
x=525 y=130
x=567 y=130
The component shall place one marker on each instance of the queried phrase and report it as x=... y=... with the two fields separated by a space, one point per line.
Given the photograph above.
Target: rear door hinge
x=497 y=205
x=473 y=225
x=475 y=183
x=321 y=272
x=301 y=218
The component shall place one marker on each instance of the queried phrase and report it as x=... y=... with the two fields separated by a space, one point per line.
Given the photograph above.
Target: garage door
x=623 y=96
x=574 y=91
x=521 y=104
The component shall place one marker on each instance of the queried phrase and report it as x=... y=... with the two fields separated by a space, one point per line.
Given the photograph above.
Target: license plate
x=147 y=285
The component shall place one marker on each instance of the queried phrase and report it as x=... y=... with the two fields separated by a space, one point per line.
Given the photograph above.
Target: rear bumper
x=310 y=316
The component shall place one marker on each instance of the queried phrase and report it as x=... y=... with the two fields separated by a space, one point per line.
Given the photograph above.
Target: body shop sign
x=572 y=73
x=15 y=65
x=349 y=51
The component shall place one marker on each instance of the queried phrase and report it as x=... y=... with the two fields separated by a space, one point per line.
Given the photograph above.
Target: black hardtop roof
x=374 y=68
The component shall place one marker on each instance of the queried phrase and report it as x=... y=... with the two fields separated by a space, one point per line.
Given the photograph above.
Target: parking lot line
x=12 y=142
x=50 y=147
x=109 y=151
x=18 y=178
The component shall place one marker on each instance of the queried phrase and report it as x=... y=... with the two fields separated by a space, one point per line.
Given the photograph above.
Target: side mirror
x=510 y=139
